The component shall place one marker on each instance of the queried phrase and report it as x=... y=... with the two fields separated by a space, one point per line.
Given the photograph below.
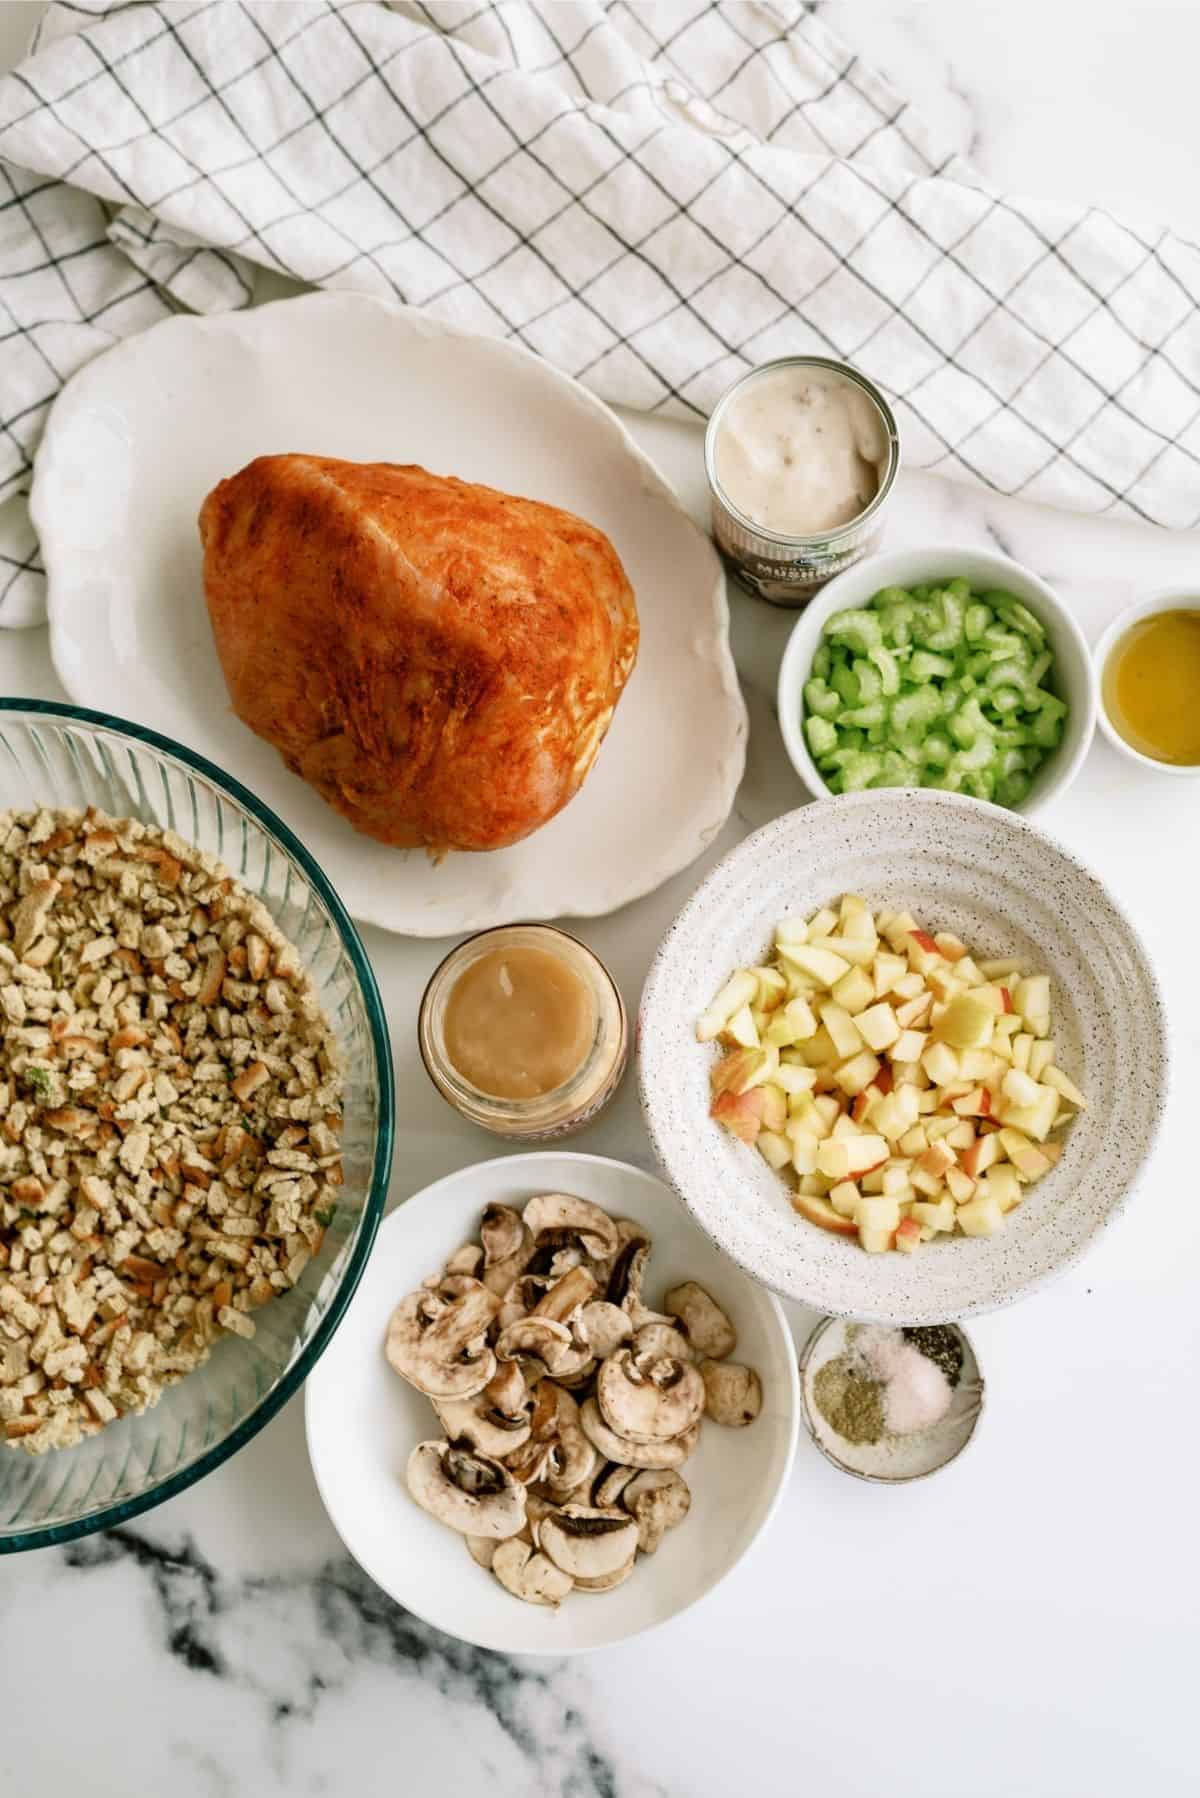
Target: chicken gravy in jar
x=519 y=1023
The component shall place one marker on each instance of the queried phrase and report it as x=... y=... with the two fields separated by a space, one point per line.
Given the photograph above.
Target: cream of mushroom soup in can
x=801 y=454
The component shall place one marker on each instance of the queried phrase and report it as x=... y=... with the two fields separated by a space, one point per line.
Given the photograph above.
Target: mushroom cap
x=470 y=1493
x=610 y=1483
x=603 y=1327
x=566 y=1295
x=477 y=1421
x=466 y=1260
x=708 y=1329
x=565 y=1215
x=733 y=1394
x=572 y=1457
x=659 y=1501
x=545 y=1340
x=439 y=1344
x=587 y=1543
x=607 y=1581
x=635 y=1454
x=653 y=1340
x=507 y=1247
x=651 y=1400
x=506 y=1391
x=527 y=1574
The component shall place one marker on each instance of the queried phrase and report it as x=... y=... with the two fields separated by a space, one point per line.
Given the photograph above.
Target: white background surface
x=1024 y=1623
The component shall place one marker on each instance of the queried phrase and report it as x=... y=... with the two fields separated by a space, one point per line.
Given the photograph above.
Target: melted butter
x=1152 y=686
x=800 y=451
x=519 y=1023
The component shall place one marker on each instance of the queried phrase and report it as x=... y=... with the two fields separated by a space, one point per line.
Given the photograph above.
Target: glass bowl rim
x=108 y=1516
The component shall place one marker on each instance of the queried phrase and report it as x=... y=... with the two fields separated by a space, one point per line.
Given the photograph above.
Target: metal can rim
x=816 y=538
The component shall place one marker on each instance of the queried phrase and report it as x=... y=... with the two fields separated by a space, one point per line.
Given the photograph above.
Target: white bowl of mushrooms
x=555 y=1416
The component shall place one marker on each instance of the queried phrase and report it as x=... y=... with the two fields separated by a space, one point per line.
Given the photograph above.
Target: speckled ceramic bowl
x=1007 y=889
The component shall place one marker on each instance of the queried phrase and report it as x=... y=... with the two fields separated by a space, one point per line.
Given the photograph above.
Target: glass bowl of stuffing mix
x=195 y=1118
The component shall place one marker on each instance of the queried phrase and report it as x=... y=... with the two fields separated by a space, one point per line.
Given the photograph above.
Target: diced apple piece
x=895 y=1182
x=959 y=1185
x=791 y=930
x=876 y=1242
x=820 y=1212
x=855 y=918
x=998 y=969
x=962 y=1135
x=1052 y=1151
x=738 y=991
x=772 y=988
x=910 y=1045
x=878 y=1214
x=1055 y=1077
x=742 y=1029
x=934 y=1214
x=982 y=1154
x=864 y=1104
x=775 y=1107
x=1028 y=1160
x=741 y=1113
x=914 y=1141
x=908 y=1235
x=949 y=945
x=843 y=1031
x=823 y=966
x=1007 y=1026
x=1041 y=1056
x=799 y=1105
x=822 y=922
x=927 y=1101
x=896 y=929
x=886 y=970
x=1002 y=1184
x=911 y=987
x=1019 y=1088
x=775 y=1150
x=844 y=1197
x=1021 y=1046
x=818 y=1051
x=827 y=1108
x=845 y=948
x=833 y=1158
x=804 y=1150
x=855 y=991
x=940 y=1063
x=795 y=1080
x=932 y=1185
x=979 y=1217
x=844 y=1127
x=936 y=1159
x=872 y=1182
x=744 y=1069
x=943 y=983
x=968 y=972
x=1031 y=997
x=878 y=1027
x=975 y=1104
x=1036 y=1120
x=979 y=1066
x=966 y=1023
x=993 y=997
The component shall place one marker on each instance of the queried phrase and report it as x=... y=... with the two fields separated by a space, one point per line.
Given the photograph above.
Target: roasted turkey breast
x=439 y=660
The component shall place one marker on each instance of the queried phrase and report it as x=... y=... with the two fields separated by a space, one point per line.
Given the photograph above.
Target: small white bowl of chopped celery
x=950 y=668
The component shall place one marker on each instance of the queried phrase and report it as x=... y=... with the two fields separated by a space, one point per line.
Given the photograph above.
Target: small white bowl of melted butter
x=801 y=454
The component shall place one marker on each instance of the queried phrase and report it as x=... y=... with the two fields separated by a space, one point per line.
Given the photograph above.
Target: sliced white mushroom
x=625 y=1285
x=506 y=1391
x=653 y=1340
x=586 y=1543
x=507 y=1247
x=603 y=1327
x=469 y=1492
x=561 y=1215
x=477 y=1421
x=566 y=1295
x=732 y=1393
x=609 y=1484
x=439 y=1345
x=572 y=1457
x=658 y=1501
x=527 y=1574
x=607 y=1581
x=466 y=1260
x=649 y=1401
x=545 y=1340
x=708 y=1329
x=635 y=1454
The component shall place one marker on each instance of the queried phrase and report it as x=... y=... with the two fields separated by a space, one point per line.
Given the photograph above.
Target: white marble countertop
x=1026 y=1622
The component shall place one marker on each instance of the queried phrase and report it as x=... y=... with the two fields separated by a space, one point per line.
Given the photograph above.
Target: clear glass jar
x=788 y=570
x=566 y=1107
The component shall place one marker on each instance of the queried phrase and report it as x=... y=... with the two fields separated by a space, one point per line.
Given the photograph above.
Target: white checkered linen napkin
x=654 y=195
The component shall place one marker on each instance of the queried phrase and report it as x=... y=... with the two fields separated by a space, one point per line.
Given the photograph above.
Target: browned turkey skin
x=439 y=660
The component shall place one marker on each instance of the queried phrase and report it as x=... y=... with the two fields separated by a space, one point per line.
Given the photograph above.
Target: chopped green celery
x=975 y=621
x=919 y=706
x=822 y=662
x=960 y=587
x=923 y=666
x=834 y=783
x=1040 y=668
x=1005 y=699
x=936 y=750
x=860 y=773
x=852 y=739
x=870 y=681
x=889 y=674
x=891 y=596
x=1009 y=643
x=950 y=633
x=1021 y=619
x=897 y=623
x=820 y=734
x=1009 y=673
x=967 y=683
x=981 y=754
x=845 y=686
x=968 y=723
x=1012 y=761
x=920 y=593
x=912 y=752
x=980 y=785
x=1046 y=730
x=950 y=781
x=896 y=771
x=819 y=699
x=856 y=627
x=864 y=716
x=1050 y=705
x=979 y=663
x=1012 y=789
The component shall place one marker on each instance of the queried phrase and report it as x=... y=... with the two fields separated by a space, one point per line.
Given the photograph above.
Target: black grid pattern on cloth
x=653 y=194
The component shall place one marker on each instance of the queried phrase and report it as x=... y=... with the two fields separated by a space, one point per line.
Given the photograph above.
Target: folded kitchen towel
x=654 y=195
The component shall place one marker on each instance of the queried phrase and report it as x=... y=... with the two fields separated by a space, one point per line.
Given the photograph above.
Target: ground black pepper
x=939 y=1344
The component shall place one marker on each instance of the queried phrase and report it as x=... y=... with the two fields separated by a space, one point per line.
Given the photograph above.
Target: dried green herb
x=851 y=1405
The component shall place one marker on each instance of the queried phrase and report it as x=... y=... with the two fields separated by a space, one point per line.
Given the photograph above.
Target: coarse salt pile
x=916 y=1393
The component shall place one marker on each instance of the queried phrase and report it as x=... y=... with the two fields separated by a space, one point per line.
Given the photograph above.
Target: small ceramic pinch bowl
x=895 y=1460
x=1171 y=599
x=1006 y=889
x=1073 y=677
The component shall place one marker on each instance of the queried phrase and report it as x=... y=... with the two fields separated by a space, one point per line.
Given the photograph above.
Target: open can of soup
x=787 y=567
